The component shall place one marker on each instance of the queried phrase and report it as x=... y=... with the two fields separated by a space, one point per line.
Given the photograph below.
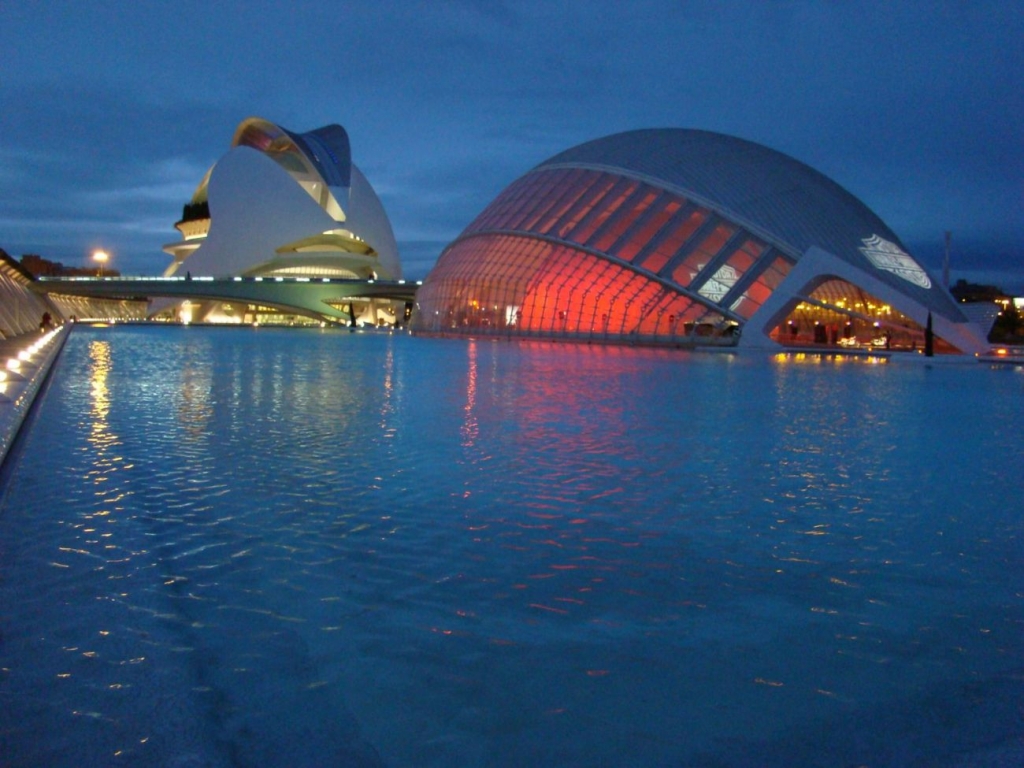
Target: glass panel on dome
x=658 y=215
x=702 y=255
x=727 y=275
x=605 y=209
x=745 y=256
x=624 y=309
x=758 y=292
x=667 y=246
x=498 y=210
x=719 y=284
x=626 y=217
x=586 y=202
x=560 y=201
x=542 y=191
x=492 y=212
x=644 y=316
x=603 y=294
x=478 y=280
x=502 y=209
x=576 y=293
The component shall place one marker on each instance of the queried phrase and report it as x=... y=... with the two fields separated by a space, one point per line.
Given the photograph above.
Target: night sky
x=111 y=112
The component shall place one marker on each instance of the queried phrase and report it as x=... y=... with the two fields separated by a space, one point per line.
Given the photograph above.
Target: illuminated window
x=614 y=228
x=758 y=292
x=647 y=227
x=665 y=246
x=702 y=255
x=602 y=211
x=584 y=205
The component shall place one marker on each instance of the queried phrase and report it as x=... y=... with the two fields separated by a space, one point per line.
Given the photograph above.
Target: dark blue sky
x=110 y=112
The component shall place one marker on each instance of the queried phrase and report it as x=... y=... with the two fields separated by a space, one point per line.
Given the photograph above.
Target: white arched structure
x=285 y=204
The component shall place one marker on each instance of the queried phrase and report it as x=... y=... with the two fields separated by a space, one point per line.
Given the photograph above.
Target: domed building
x=686 y=238
x=284 y=204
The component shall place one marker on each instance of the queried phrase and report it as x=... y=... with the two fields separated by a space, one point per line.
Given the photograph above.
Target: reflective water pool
x=255 y=547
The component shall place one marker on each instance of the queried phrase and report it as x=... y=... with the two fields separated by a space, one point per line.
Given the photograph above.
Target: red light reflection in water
x=470 y=427
x=556 y=527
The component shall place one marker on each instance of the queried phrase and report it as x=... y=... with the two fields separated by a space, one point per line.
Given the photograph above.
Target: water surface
x=257 y=547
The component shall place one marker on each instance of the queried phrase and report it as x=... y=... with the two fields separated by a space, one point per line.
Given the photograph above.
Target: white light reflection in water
x=105 y=459
x=424 y=552
x=100 y=435
x=388 y=391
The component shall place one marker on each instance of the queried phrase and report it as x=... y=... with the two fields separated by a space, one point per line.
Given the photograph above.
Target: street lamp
x=101 y=258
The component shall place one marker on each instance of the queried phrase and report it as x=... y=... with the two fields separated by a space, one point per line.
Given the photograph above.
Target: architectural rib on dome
x=681 y=237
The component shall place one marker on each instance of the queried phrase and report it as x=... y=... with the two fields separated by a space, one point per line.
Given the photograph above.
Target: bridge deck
x=301 y=295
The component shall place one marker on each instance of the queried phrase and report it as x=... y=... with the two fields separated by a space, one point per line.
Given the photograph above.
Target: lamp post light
x=101 y=258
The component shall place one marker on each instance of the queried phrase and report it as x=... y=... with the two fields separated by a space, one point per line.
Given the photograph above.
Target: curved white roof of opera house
x=289 y=204
x=683 y=236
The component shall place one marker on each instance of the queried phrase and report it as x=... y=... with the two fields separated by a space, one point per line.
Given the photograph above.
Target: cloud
x=418 y=256
x=111 y=113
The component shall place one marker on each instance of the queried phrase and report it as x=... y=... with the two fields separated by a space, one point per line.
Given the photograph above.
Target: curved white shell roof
x=275 y=187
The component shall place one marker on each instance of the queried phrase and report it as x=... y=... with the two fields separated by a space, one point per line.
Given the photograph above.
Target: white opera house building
x=283 y=204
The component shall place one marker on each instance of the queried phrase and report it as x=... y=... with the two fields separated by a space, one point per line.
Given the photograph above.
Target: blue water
x=263 y=547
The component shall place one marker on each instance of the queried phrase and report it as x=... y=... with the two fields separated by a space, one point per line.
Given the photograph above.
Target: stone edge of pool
x=18 y=392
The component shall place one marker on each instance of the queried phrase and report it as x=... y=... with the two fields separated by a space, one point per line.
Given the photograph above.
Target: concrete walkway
x=25 y=361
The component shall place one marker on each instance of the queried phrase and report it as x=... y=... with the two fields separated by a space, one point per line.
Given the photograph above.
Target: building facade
x=685 y=238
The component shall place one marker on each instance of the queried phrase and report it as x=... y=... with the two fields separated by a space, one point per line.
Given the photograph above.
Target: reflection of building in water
x=194 y=408
x=684 y=237
x=101 y=438
x=284 y=204
x=470 y=429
